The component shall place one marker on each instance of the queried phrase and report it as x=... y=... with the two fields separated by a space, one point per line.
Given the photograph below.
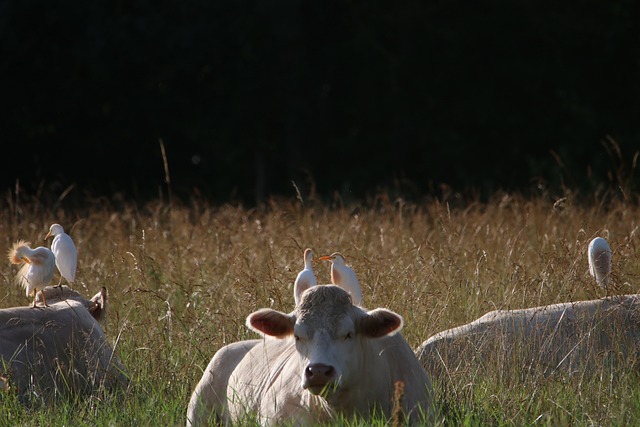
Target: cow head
x=331 y=336
x=97 y=305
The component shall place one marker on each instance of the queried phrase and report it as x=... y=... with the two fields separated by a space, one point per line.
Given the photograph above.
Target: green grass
x=181 y=282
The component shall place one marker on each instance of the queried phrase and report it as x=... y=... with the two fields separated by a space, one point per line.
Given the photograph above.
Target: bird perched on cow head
x=306 y=278
x=343 y=276
x=37 y=267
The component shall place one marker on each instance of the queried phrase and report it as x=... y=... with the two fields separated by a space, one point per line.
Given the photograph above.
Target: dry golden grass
x=182 y=280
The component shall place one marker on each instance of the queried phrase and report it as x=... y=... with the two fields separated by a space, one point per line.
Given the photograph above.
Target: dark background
x=342 y=97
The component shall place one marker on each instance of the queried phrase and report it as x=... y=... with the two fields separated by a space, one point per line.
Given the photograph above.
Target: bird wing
x=47 y=271
x=304 y=281
x=350 y=281
x=42 y=267
x=66 y=256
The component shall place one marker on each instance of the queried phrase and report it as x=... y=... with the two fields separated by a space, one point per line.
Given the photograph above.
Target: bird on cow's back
x=65 y=252
x=343 y=276
x=599 y=255
x=37 y=269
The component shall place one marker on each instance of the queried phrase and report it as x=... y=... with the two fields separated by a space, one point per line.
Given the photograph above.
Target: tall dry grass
x=182 y=280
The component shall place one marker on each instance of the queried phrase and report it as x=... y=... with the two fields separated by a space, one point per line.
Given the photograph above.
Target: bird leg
x=33 y=304
x=59 y=283
x=44 y=300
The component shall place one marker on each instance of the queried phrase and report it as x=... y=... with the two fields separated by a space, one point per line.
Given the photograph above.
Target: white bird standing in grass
x=344 y=276
x=65 y=252
x=306 y=278
x=600 y=261
x=37 y=271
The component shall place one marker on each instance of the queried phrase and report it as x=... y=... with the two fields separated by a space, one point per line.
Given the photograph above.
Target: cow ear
x=98 y=308
x=271 y=322
x=379 y=323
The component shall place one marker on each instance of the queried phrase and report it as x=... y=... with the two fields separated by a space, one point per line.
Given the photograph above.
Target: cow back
x=566 y=338
x=60 y=349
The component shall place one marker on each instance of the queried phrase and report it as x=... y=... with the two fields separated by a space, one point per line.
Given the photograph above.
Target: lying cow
x=57 y=349
x=570 y=337
x=327 y=358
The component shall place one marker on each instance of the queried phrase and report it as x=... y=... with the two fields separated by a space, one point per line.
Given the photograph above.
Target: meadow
x=182 y=278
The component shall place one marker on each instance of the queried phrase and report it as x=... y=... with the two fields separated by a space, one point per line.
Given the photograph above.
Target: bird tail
x=13 y=252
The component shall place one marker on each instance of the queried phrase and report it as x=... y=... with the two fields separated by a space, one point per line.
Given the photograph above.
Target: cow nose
x=319 y=374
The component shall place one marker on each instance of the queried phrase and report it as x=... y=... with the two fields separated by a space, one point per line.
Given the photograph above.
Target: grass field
x=182 y=280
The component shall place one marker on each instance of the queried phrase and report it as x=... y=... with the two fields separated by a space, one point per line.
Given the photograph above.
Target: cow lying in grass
x=59 y=349
x=572 y=338
x=326 y=359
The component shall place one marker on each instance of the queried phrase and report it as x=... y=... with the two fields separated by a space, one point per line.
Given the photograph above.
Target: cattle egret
x=344 y=276
x=65 y=252
x=600 y=261
x=37 y=271
x=306 y=278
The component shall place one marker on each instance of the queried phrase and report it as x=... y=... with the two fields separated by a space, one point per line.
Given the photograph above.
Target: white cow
x=58 y=349
x=327 y=358
x=570 y=337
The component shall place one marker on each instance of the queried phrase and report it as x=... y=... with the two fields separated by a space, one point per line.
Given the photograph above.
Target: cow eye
x=347 y=336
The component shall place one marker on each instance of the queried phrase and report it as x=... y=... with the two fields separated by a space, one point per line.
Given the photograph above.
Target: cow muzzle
x=318 y=377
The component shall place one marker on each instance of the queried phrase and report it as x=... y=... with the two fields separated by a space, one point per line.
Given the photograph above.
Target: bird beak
x=26 y=260
x=325 y=258
x=47 y=236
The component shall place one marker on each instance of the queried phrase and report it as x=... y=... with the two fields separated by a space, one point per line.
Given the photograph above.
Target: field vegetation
x=182 y=278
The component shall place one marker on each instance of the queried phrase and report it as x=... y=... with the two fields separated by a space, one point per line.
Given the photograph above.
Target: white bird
x=343 y=276
x=37 y=271
x=65 y=252
x=600 y=261
x=306 y=278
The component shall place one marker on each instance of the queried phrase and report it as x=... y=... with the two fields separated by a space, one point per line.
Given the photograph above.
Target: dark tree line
x=352 y=96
